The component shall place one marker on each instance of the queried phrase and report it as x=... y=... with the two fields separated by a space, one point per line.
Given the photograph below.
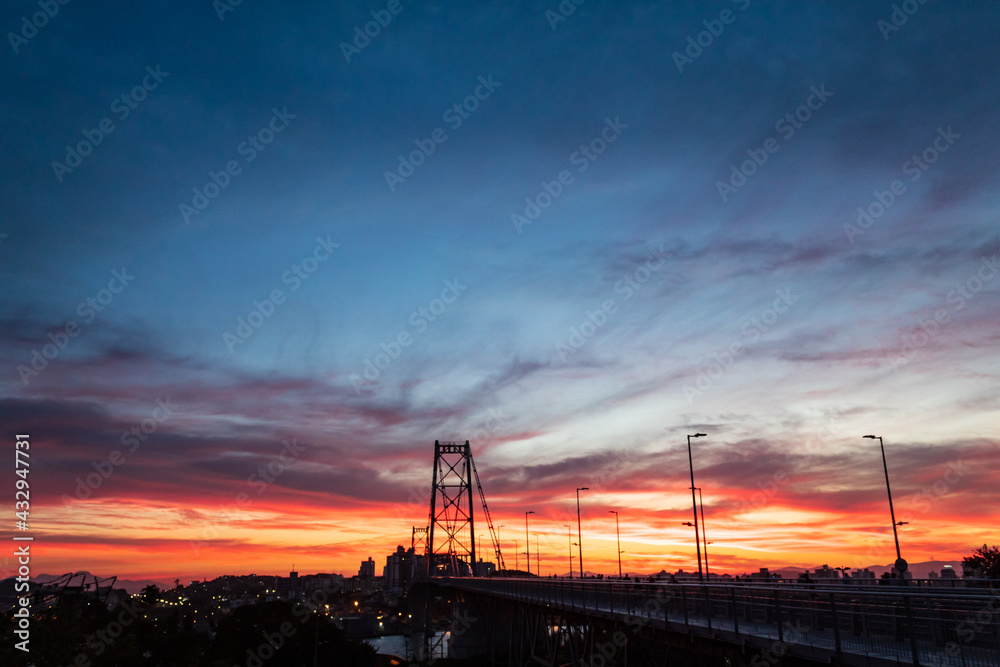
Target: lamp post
x=527 y=542
x=704 y=535
x=694 y=505
x=569 y=538
x=619 y=534
x=579 y=530
x=900 y=563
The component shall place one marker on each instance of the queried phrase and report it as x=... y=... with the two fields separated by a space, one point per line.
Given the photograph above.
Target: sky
x=258 y=258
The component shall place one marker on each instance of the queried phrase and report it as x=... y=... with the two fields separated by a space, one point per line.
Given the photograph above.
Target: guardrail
x=920 y=626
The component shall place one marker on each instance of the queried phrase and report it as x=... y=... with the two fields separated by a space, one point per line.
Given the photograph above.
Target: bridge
x=504 y=620
x=537 y=621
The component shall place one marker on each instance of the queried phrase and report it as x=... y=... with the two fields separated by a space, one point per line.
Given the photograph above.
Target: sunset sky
x=236 y=237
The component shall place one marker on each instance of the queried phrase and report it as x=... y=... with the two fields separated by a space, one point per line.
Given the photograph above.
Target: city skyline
x=259 y=259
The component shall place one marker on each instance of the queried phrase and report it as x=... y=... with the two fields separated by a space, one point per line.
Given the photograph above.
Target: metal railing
x=920 y=626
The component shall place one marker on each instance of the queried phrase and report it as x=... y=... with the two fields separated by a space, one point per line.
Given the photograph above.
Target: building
x=826 y=572
x=287 y=588
x=401 y=568
x=367 y=568
x=764 y=575
x=485 y=568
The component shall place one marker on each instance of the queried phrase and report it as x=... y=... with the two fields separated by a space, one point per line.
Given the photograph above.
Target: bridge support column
x=480 y=628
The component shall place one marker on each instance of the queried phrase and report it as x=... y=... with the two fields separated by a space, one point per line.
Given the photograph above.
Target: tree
x=984 y=562
x=150 y=595
x=279 y=634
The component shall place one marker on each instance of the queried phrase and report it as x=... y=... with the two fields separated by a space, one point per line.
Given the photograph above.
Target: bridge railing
x=925 y=626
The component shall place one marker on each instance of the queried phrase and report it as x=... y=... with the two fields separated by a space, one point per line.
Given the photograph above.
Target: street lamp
x=619 y=534
x=900 y=563
x=527 y=543
x=694 y=505
x=579 y=531
x=704 y=535
x=569 y=538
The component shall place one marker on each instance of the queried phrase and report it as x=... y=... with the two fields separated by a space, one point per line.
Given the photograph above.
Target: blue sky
x=847 y=348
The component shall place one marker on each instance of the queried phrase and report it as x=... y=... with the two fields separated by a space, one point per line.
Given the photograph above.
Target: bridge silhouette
x=513 y=620
x=522 y=621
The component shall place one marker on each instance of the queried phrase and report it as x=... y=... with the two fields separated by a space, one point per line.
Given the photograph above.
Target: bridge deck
x=849 y=625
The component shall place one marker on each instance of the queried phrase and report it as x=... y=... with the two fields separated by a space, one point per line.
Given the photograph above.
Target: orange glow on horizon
x=137 y=540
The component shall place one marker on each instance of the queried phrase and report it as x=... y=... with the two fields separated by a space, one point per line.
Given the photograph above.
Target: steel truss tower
x=452 y=538
x=418 y=542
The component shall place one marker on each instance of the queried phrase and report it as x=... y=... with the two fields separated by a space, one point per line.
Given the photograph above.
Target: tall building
x=826 y=572
x=401 y=568
x=287 y=588
x=367 y=568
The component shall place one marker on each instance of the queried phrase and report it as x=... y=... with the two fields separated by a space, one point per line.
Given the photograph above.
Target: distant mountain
x=920 y=570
